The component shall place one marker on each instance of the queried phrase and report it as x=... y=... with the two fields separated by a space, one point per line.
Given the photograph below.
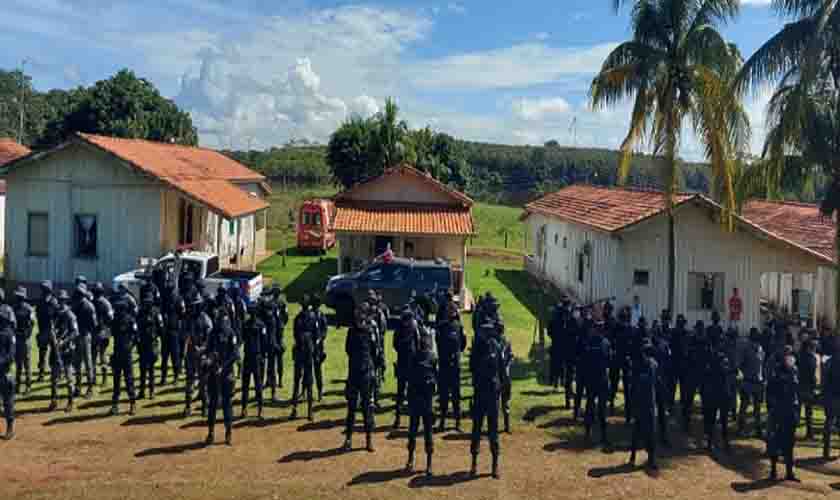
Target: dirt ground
x=159 y=455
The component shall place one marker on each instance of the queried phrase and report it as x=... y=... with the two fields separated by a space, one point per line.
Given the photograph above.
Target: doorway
x=382 y=243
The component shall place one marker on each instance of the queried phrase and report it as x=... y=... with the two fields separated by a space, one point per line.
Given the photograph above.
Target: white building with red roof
x=596 y=242
x=95 y=205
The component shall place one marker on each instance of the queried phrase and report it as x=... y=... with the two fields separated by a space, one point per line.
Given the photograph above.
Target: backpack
x=450 y=345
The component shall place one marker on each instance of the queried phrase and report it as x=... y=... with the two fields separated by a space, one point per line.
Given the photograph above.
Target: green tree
x=803 y=60
x=677 y=68
x=350 y=152
x=390 y=139
x=124 y=106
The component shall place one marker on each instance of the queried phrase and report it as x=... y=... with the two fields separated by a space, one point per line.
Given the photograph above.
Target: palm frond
x=777 y=56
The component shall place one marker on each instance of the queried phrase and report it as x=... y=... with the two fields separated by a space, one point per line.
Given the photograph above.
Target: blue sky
x=256 y=73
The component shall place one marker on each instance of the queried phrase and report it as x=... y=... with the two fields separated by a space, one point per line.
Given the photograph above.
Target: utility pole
x=22 y=94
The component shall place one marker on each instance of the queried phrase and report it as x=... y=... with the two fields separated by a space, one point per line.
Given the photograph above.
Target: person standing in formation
x=255 y=338
x=306 y=332
x=362 y=350
x=65 y=334
x=44 y=311
x=24 y=318
x=406 y=337
x=486 y=366
x=7 y=384
x=124 y=333
x=102 y=335
x=451 y=342
x=421 y=394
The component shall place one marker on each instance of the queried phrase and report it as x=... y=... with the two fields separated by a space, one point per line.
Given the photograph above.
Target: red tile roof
x=11 y=150
x=456 y=196
x=420 y=219
x=607 y=209
x=799 y=222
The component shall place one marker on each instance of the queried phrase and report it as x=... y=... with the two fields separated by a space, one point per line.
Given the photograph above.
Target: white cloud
x=516 y=66
x=539 y=109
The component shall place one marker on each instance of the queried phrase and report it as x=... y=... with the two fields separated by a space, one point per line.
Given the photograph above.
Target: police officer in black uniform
x=646 y=387
x=255 y=338
x=63 y=349
x=751 y=365
x=44 y=311
x=507 y=380
x=7 y=356
x=150 y=329
x=695 y=369
x=199 y=329
x=362 y=350
x=406 y=337
x=24 y=318
x=306 y=331
x=221 y=355
x=486 y=366
x=806 y=365
x=320 y=345
x=175 y=321
x=718 y=389
x=421 y=394
x=124 y=333
x=831 y=397
x=85 y=313
x=679 y=355
x=556 y=330
x=273 y=314
x=621 y=363
x=784 y=405
x=594 y=374
x=102 y=335
x=451 y=342
x=379 y=315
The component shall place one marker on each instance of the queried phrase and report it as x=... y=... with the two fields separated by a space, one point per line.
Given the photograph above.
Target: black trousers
x=303 y=379
x=450 y=390
x=752 y=393
x=194 y=381
x=420 y=410
x=122 y=371
x=319 y=374
x=644 y=431
x=171 y=353
x=220 y=386
x=56 y=373
x=402 y=384
x=832 y=419
x=7 y=396
x=43 y=351
x=360 y=397
x=620 y=372
x=596 y=407
x=485 y=406
x=274 y=369
x=252 y=369
x=147 y=372
x=716 y=409
x=688 y=392
x=783 y=436
x=23 y=356
x=568 y=378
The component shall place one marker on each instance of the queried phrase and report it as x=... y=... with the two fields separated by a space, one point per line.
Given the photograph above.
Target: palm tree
x=803 y=118
x=677 y=69
x=391 y=135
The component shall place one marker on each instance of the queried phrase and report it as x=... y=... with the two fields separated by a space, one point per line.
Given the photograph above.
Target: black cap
x=47 y=285
x=20 y=292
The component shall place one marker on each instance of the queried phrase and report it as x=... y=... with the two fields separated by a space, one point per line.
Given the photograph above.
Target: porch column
x=239 y=253
x=219 y=236
x=254 y=242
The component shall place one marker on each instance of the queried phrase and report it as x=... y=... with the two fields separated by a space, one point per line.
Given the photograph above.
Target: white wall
x=559 y=262
x=81 y=180
x=2 y=224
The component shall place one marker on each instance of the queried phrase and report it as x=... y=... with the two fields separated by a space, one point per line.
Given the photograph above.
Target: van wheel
x=344 y=311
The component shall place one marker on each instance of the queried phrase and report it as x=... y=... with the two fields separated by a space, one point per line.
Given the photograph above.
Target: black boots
x=369 y=442
x=244 y=413
x=474 y=466
x=259 y=411
x=397 y=421
x=458 y=424
x=294 y=414
x=495 y=471
x=228 y=437
x=210 y=439
x=507 y=423
x=115 y=410
x=348 y=445
x=428 y=464
x=10 y=430
x=132 y=410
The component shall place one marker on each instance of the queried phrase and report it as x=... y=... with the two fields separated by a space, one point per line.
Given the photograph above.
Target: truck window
x=212 y=266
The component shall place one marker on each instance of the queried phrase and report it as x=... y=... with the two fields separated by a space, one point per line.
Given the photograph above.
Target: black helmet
x=276 y=290
x=755 y=334
x=63 y=296
x=47 y=286
x=98 y=289
x=407 y=314
x=80 y=280
x=81 y=289
x=666 y=315
x=642 y=322
x=315 y=301
x=681 y=319
x=715 y=316
x=20 y=292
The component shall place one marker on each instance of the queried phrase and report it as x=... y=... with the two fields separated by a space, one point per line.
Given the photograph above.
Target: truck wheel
x=344 y=311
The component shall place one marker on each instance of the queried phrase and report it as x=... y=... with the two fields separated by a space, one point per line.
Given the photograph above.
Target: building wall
x=558 y=257
x=81 y=180
x=2 y=224
x=703 y=246
x=778 y=287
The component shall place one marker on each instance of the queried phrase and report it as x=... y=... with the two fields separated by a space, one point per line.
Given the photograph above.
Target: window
x=85 y=236
x=212 y=266
x=641 y=278
x=556 y=239
x=705 y=291
x=39 y=234
x=185 y=236
x=232 y=228
x=409 y=249
x=317 y=219
x=374 y=274
x=581 y=261
x=565 y=242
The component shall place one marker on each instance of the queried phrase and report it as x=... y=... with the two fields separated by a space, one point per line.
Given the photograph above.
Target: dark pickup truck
x=395 y=280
